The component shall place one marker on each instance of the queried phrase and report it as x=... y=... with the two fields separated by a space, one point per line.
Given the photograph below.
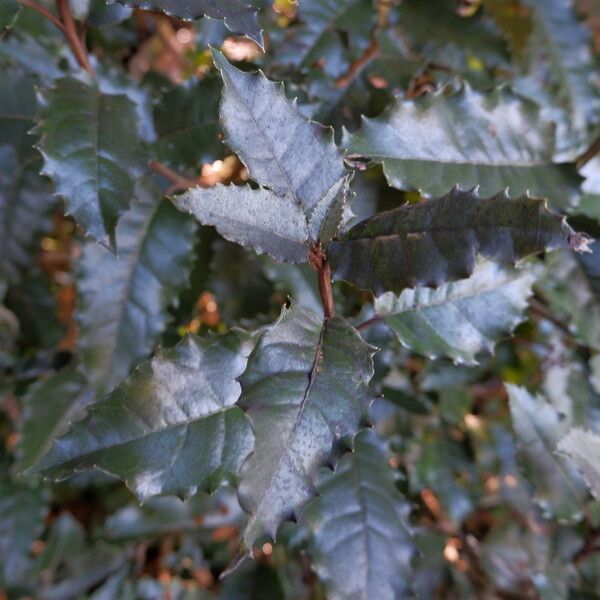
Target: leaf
x=435 y=30
x=318 y=38
x=25 y=203
x=239 y=16
x=514 y=19
x=431 y=242
x=22 y=512
x=582 y=448
x=559 y=489
x=92 y=152
x=572 y=289
x=9 y=10
x=171 y=428
x=560 y=73
x=18 y=108
x=305 y=390
x=124 y=300
x=283 y=151
x=186 y=121
x=495 y=140
x=459 y=320
x=50 y=405
x=259 y=218
x=360 y=516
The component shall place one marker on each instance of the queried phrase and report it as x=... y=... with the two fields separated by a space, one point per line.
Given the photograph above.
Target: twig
x=180 y=182
x=43 y=11
x=72 y=35
x=318 y=262
x=356 y=67
x=589 y=547
x=586 y=156
x=372 y=321
x=542 y=311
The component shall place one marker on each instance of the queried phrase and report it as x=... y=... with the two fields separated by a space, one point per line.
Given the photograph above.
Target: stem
x=180 y=182
x=372 y=321
x=72 y=35
x=43 y=11
x=318 y=262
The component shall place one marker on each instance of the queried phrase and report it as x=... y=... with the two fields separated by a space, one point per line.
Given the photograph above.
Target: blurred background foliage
x=492 y=517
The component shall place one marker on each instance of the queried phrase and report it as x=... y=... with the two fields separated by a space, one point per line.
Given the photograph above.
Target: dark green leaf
x=9 y=9
x=17 y=110
x=438 y=32
x=572 y=289
x=22 y=513
x=361 y=545
x=258 y=218
x=561 y=75
x=124 y=299
x=283 y=151
x=582 y=447
x=92 y=152
x=495 y=140
x=25 y=202
x=186 y=121
x=461 y=319
x=305 y=391
x=238 y=15
x=431 y=242
x=50 y=405
x=172 y=427
x=319 y=36
x=559 y=490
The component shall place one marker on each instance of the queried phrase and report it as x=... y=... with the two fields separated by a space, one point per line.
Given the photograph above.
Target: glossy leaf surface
x=459 y=320
x=172 y=427
x=360 y=515
x=582 y=447
x=495 y=141
x=155 y=243
x=436 y=241
x=92 y=153
x=306 y=392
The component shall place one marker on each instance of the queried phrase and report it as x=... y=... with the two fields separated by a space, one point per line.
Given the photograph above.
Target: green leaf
x=459 y=320
x=18 y=108
x=92 y=152
x=361 y=546
x=572 y=289
x=298 y=281
x=495 y=140
x=435 y=30
x=239 y=16
x=431 y=242
x=561 y=72
x=124 y=299
x=25 y=203
x=306 y=392
x=283 y=151
x=582 y=448
x=22 y=513
x=50 y=405
x=171 y=428
x=186 y=121
x=319 y=37
x=560 y=492
x=514 y=19
x=259 y=218
x=9 y=10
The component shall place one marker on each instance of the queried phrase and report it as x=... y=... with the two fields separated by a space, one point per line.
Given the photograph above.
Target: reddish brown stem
x=43 y=11
x=179 y=182
x=72 y=35
x=372 y=321
x=318 y=262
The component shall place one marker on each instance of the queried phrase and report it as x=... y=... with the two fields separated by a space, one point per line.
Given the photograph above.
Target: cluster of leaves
x=191 y=408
